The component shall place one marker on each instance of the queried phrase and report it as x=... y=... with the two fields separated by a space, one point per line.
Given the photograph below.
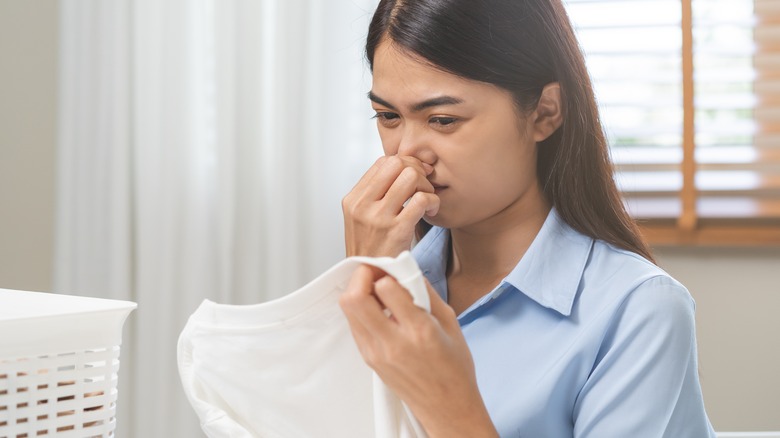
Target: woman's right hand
x=376 y=222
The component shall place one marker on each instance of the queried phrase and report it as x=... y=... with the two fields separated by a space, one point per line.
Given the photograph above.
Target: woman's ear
x=548 y=116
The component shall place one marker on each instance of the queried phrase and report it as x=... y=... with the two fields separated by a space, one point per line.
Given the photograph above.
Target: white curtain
x=204 y=148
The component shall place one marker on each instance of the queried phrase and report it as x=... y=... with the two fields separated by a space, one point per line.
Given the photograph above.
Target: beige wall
x=28 y=59
x=737 y=290
x=737 y=293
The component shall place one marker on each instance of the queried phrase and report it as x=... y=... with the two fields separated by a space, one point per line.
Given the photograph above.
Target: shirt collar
x=431 y=254
x=549 y=273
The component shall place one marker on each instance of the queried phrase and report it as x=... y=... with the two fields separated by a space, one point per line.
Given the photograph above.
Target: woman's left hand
x=422 y=357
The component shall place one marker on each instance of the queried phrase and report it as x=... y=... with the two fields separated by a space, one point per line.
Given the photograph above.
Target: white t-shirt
x=290 y=368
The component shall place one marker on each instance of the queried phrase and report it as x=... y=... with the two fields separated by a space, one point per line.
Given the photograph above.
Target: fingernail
x=427 y=168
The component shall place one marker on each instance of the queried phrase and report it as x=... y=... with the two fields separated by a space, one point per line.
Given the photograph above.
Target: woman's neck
x=482 y=254
x=490 y=250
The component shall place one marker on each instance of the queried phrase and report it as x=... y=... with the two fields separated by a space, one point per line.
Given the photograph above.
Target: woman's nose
x=413 y=144
x=410 y=142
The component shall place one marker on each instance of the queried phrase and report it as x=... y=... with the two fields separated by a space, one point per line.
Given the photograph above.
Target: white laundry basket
x=59 y=358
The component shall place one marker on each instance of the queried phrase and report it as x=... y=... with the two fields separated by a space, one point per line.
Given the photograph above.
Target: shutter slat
x=649 y=156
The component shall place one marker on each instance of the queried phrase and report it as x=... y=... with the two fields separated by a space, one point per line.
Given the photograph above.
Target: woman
x=549 y=318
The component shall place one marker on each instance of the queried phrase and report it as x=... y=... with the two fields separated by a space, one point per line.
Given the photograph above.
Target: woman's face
x=482 y=149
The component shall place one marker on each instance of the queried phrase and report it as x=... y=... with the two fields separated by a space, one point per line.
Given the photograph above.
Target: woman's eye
x=443 y=121
x=385 y=116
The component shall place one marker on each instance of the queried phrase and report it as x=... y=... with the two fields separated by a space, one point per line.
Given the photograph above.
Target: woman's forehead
x=400 y=75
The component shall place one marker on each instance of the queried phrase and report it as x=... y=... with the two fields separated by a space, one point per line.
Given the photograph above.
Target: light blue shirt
x=581 y=339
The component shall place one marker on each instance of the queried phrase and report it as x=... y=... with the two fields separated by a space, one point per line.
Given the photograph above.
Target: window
x=690 y=97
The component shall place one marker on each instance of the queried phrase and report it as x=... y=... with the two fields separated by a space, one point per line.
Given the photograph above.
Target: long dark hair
x=521 y=46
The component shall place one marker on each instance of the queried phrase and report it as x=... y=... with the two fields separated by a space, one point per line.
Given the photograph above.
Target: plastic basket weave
x=59 y=358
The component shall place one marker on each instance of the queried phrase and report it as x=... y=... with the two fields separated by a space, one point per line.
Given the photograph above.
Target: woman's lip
x=437 y=189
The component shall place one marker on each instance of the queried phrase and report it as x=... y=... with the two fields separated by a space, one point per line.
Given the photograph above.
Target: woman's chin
x=438 y=221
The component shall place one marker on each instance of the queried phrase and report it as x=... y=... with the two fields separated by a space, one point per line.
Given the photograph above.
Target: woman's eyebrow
x=435 y=101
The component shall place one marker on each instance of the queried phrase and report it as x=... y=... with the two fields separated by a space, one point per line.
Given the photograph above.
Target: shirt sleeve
x=644 y=382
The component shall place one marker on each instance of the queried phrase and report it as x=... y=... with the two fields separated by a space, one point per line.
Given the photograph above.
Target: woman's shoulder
x=619 y=276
